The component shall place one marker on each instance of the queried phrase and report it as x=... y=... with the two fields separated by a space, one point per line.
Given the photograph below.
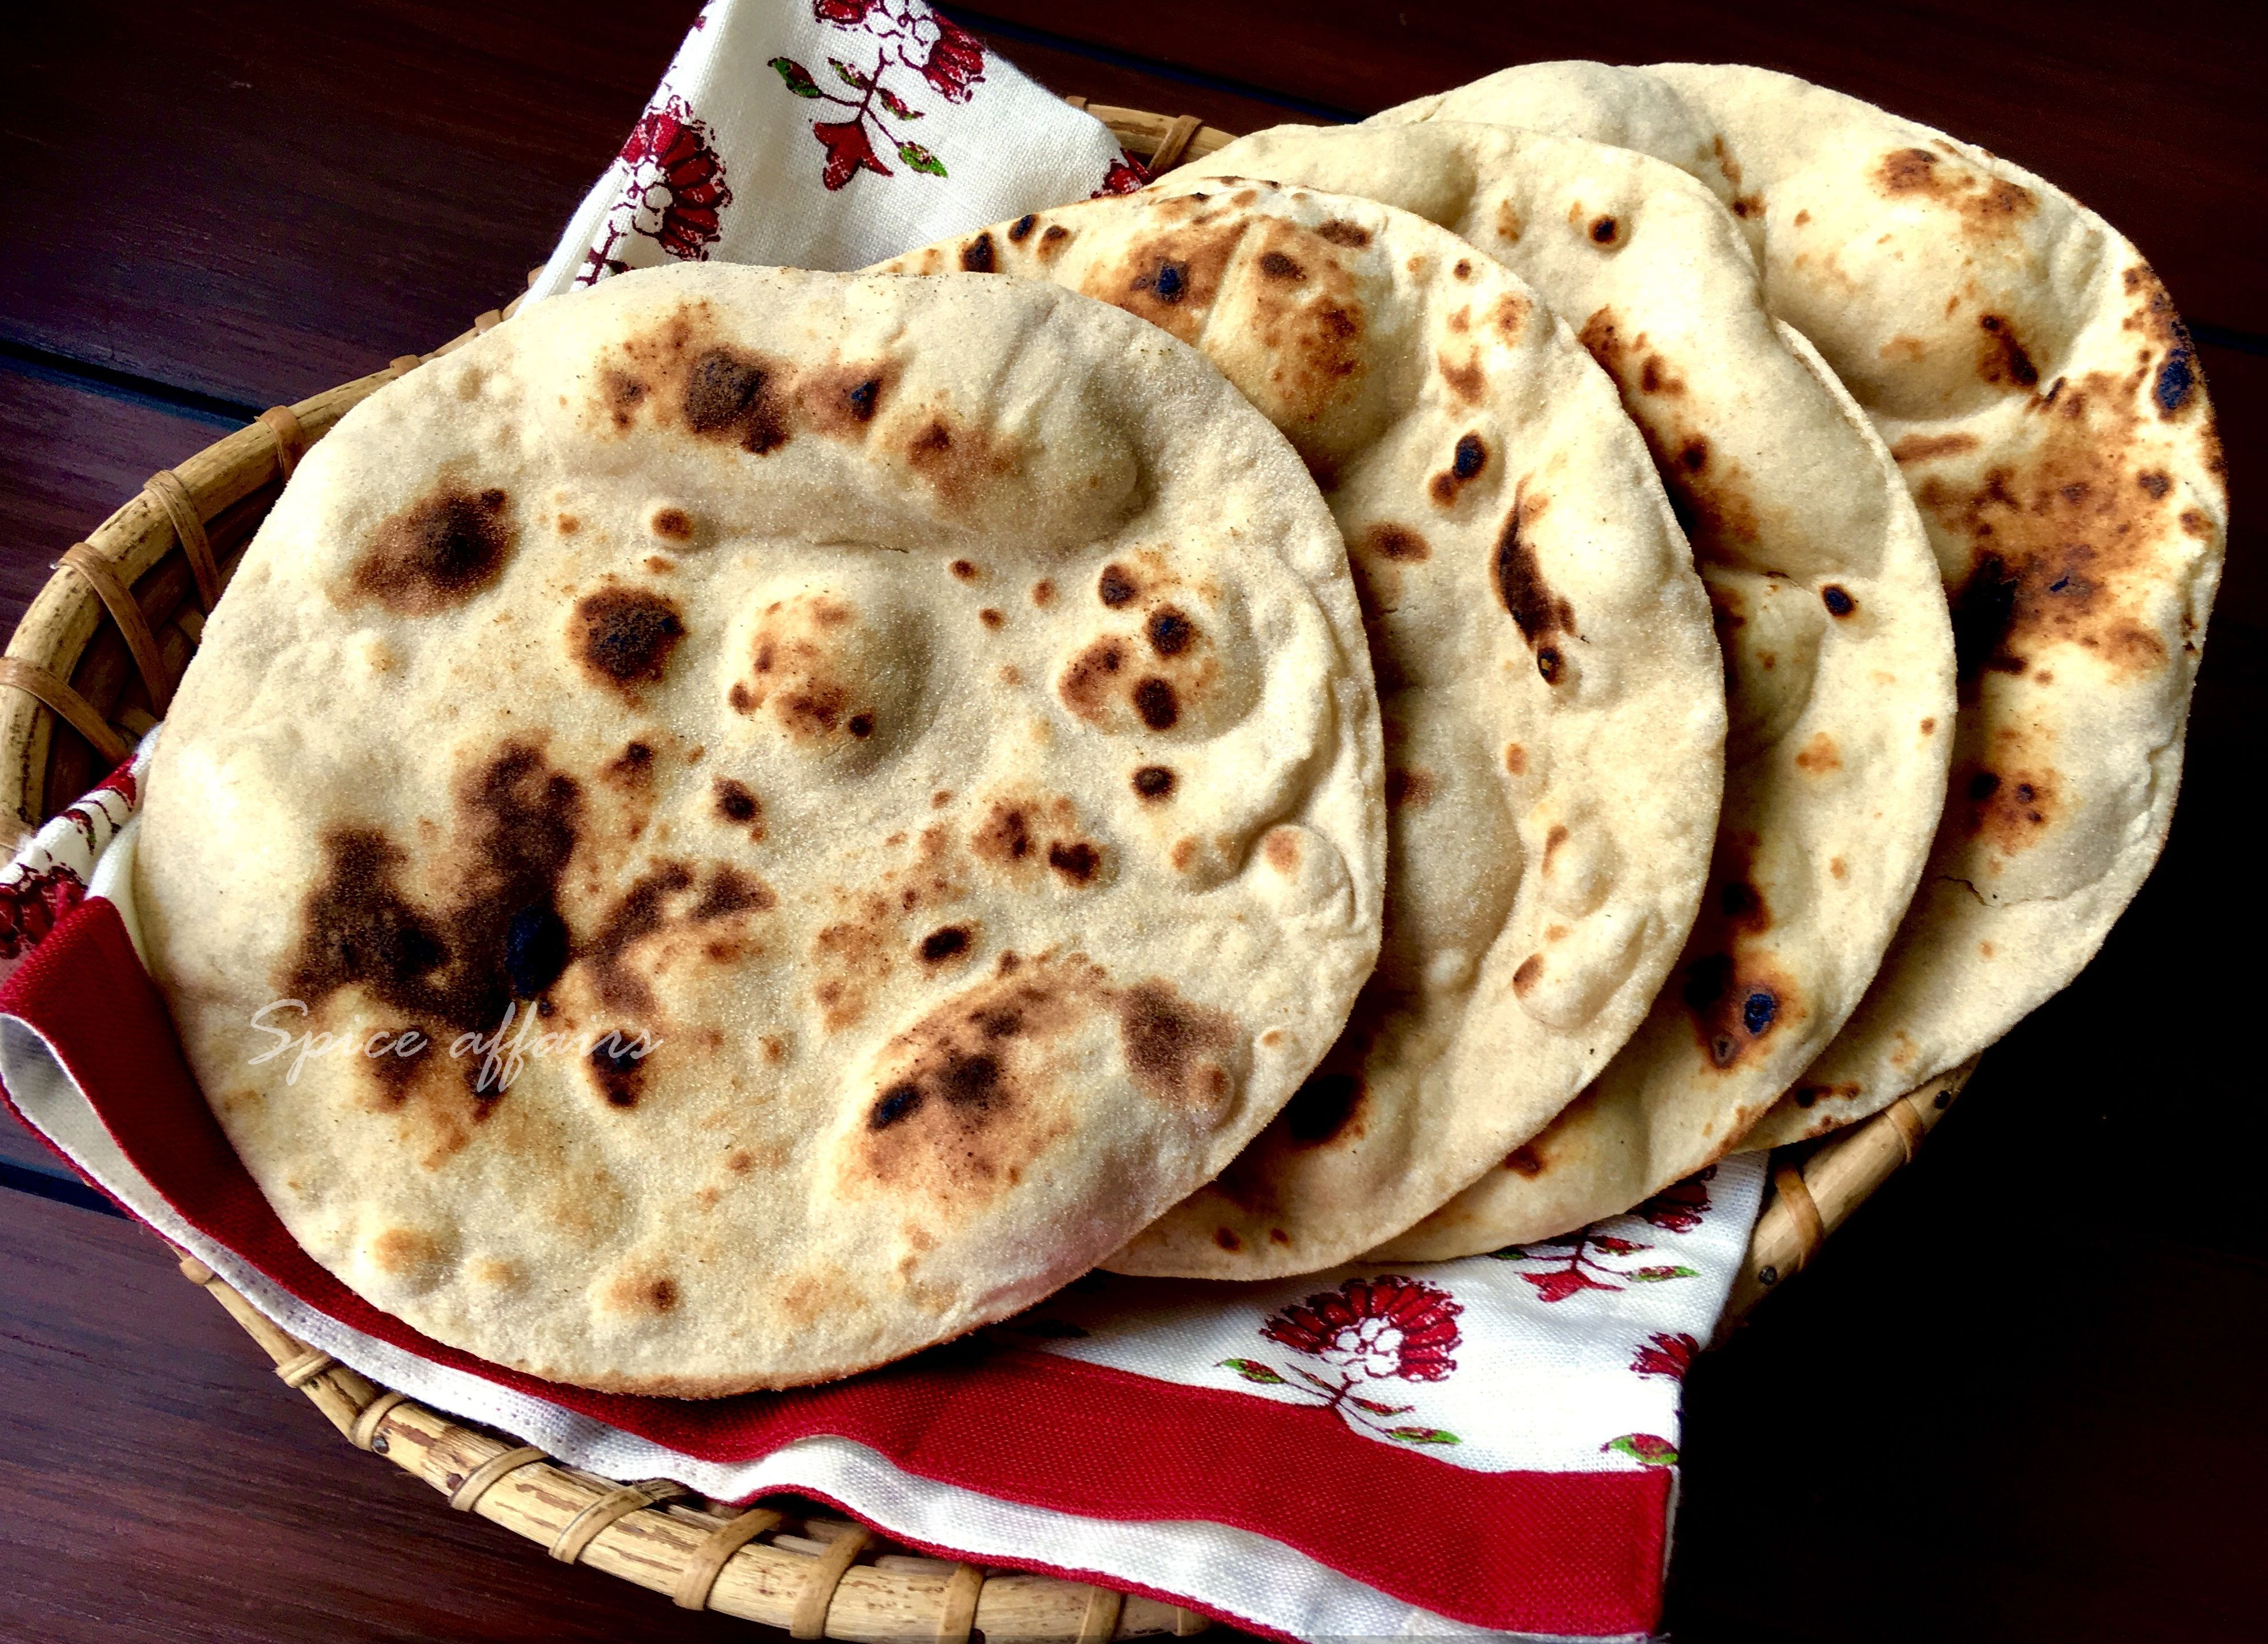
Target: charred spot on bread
x=623 y=637
x=439 y=552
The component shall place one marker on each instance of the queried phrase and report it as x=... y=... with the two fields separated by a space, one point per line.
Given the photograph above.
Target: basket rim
x=782 y=1566
x=152 y=564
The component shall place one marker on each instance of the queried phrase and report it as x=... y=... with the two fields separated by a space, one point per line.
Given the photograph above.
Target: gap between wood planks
x=53 y=1182
x=47 y=365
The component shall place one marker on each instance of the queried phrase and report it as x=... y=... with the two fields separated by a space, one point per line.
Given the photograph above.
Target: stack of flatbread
x=1390 y=695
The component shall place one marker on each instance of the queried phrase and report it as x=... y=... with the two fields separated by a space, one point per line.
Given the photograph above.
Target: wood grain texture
x=291 y=195
x=68 y=455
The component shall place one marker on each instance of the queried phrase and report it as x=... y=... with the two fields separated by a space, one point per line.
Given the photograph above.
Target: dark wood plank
x=259 y=201
x=292 y=197
x=21 y=1152
x=73 y=453
x=162 y=1485
x=1068 y=73
x=2151 y=115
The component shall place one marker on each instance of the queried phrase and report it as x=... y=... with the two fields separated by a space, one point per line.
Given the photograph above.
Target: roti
x=1595 y=102
x=1553 y=699
x=717 y=751
x=2030 y=376
x=1838 y=656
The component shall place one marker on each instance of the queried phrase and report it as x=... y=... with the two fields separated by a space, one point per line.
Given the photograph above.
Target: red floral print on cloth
x=1679 y=1208
x=1571 y=1269
x=675 y=195
x=33 y=905
x=909 y=35
x=1368 y=1329
x=1649 y=1450
x=1591 y=1260
x=956 y=58
x=1664 y=1354
x=47 y=877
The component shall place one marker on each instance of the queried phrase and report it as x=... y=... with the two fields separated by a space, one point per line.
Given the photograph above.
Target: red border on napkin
x=1566 y=1553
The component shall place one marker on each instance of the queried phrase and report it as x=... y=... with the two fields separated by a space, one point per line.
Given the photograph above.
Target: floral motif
x=675 y=194
x=47 y=878
x=1650 y=1448
x=1663 y=1354
x=956 y=57
x=1678 y=1207
x=1577 y=1270
x=909 y=35
x=847 y=148
x=35 y=905
x=1367 y=1329
x=1388 y=1326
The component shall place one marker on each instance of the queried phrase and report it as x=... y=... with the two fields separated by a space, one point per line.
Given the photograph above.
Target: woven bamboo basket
x=92 y=665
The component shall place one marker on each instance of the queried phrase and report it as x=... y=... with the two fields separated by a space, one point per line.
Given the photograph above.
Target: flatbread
x=1591 y=101
x=1552 y=693
x=1838 y=655
x=818 y=675
x=2028 y=372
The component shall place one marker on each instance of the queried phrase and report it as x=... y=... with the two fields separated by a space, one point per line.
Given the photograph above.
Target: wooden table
x=2015 y=1399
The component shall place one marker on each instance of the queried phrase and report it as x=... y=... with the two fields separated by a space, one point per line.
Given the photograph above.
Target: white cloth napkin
x=829 y=134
